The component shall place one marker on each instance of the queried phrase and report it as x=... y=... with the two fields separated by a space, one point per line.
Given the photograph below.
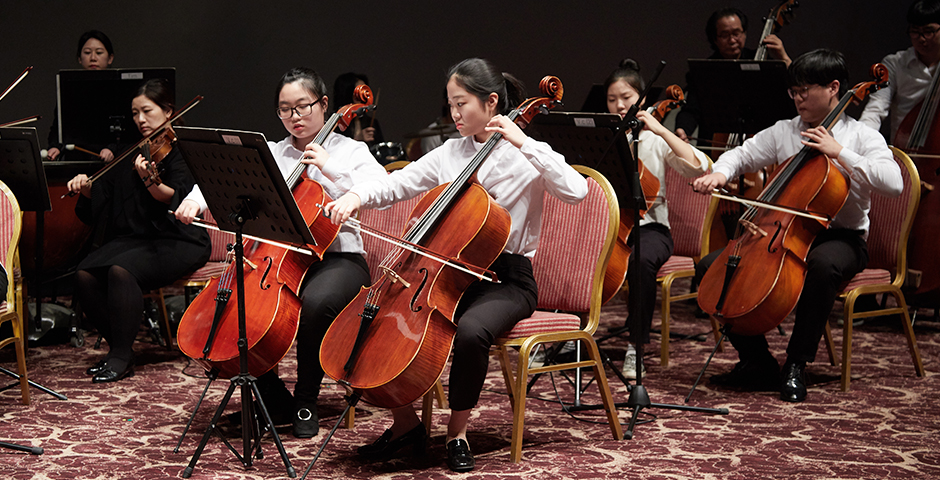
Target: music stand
x=598 y=141
x=246 y=193
x=740 y=96
x=22 y=170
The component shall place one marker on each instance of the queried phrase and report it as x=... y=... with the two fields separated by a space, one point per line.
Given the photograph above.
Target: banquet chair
x=569 y=265
x=690 y=219
x=12 y=308
x=890 y=227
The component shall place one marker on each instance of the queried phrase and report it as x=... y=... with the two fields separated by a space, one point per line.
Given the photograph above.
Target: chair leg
x=507 y=372
x=716 y=331
x=664 y=324
x=609 y=405
x=164 y=319
x=20 y=342
x=847 y=345
x=349 y=421
x=518 y=396
x=830 y=345
x=909 y=333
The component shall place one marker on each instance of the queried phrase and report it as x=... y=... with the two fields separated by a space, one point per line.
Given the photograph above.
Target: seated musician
x=329 y=284
x=517 y=174
x=910 y=70
x=94 y=53
x=817 y=81
x=726 y=31
x=145 y=247
x=658 y=148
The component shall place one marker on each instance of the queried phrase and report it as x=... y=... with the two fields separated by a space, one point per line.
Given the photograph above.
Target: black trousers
x=834 y=258
x=655 y=249
x=486 y=311
x=328 y=287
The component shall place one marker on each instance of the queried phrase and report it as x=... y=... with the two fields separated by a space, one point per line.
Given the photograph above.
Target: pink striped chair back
x=891 y=219
x=687 y=212
x=11 y=220
x=571 y=240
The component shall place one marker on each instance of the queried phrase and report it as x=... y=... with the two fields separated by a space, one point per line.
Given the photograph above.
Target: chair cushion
x=674 y=264
x=544 y=322
x=869 y=276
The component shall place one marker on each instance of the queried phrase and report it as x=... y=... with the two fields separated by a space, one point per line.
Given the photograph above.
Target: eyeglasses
x=801 y=92
x=734 y=33
x=301 y=110
x=927 y=32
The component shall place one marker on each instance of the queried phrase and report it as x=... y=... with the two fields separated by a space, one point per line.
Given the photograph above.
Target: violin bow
x=15 y=83
x=21 y=121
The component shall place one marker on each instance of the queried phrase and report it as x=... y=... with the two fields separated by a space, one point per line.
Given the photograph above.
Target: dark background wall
x=234 y=52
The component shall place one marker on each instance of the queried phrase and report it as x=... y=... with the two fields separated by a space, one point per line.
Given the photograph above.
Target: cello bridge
x=752 y=228
x=394 y=276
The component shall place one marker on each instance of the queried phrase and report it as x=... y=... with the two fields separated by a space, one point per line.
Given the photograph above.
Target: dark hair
x=307 y=77
x=923 y=12
x=158 y=91
x=97 y=35
x=481 y=78
x=711 y=28
x=628 y=71
x=343 y=88
x=819 y=67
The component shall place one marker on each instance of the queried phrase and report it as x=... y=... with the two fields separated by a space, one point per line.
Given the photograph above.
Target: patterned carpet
x=885 y=427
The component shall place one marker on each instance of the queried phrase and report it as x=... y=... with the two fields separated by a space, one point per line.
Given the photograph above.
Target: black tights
x=113 y=301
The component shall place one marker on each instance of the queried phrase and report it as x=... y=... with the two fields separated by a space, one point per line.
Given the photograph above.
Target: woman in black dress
x=145 y=247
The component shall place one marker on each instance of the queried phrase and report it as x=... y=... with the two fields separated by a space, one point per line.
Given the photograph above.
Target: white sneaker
x=629 y=366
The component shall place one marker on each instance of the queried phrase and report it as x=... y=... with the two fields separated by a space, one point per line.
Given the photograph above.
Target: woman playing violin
x=94 y=53
x=658 y=148
x=330 y=284
x=145 y=247
x=817 y=80
x=517 y=174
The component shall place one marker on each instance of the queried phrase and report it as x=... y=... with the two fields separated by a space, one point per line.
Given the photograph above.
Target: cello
x=391 y=343
x=757 y=279
x=616 y=273
x=919 y=136
x=208 y=329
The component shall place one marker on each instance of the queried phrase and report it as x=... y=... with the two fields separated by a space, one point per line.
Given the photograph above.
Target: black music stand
x=22 y=170
x=246 y=193
x=740 y=96
x=599 y=141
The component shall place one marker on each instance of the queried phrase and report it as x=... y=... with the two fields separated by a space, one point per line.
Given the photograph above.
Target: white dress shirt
x=515 y=177
x=908 y=80
x=350 y=162
x=871 y=166
x=655 y=154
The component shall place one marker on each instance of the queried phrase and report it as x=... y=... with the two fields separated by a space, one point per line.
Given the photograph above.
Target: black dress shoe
x=306 y=422
x=97 y=367
x=793 y=385
x=384 y=448
x=108 y=374
x=757 y=375
x=459 y=458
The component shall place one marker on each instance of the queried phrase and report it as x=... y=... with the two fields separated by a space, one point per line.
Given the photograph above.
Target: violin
x=756 y=281
x=616 y=273
x=919 y=136
x=208 y=331
x=391 y=343
x=154 y=151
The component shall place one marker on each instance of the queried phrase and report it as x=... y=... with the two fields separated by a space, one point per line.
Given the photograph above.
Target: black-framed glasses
x=301 y=110
x=926 y=32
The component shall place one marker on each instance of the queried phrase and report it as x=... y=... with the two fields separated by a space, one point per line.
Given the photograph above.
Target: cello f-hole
x=414 y=299
x=774 y=238
x=265 y=276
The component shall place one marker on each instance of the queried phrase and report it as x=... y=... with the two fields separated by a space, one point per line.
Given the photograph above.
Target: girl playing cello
x=328 y=284
x=658 y=148
x=517 y=174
